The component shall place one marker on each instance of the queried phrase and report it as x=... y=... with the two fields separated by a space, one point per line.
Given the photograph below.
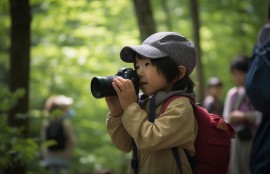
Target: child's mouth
x=143 y=83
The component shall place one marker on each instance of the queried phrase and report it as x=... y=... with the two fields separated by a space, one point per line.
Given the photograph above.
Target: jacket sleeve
x=119 y=136
x=227 y=105
x=175 y=127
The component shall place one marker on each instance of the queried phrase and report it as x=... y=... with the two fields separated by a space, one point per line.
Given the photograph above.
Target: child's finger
x=120 y=84
x=127 y=83
x=116 y=88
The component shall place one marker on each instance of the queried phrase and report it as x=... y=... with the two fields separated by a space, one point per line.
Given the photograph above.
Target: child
x=239 y=111
x=163 y=62
x=212 y=102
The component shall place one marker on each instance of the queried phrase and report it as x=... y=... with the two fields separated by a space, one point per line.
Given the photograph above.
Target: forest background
x=73 y=41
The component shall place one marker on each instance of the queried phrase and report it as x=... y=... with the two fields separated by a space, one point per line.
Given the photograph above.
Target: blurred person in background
x=212 y=102
x=58 y=127
x=239 y=112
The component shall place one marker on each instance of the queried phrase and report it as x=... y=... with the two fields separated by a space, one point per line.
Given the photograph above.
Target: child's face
x=150 y=80
x=215 y=91
x=238 y=77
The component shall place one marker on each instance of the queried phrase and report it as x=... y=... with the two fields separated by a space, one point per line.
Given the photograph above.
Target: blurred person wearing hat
x=212 y=102
x=57 y=156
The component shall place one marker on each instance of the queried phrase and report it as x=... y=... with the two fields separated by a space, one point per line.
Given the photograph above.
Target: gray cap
x=163 y=44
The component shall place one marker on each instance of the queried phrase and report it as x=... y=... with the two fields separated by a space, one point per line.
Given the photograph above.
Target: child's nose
x=139 y=72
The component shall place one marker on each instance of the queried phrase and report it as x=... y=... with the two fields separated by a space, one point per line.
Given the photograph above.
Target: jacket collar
x=161 y=96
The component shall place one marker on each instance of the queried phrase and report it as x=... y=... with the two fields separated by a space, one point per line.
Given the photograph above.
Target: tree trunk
x=19 y=66
x=145 y=18
x=193 y=6
x=167 y=11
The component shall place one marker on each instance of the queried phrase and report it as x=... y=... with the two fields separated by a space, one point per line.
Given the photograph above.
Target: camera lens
x=102 y=86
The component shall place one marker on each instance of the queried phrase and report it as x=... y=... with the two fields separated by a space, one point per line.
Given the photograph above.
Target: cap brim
x=128 y=53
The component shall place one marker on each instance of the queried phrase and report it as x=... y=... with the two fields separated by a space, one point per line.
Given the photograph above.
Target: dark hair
x=169 y=69
x=240 y=63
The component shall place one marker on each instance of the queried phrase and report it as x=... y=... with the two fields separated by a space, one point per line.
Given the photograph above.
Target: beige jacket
x=175 y=127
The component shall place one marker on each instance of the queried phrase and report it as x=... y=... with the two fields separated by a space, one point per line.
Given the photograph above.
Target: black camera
x=102 y=86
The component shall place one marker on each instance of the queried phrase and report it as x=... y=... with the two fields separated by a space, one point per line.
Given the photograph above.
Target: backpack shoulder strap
x=152 y=110
x=175 y=152
x=151 y=118
x=167 y=102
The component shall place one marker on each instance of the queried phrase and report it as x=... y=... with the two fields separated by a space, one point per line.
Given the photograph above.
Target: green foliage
x=4 y=33
x=13 y=148
x=73 y=41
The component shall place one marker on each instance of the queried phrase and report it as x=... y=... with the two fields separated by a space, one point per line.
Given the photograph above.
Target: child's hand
x=114 y=106
x=237 y=117
x=125 y=90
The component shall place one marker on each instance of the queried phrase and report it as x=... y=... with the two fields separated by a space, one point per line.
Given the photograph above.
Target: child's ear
x=182 y=71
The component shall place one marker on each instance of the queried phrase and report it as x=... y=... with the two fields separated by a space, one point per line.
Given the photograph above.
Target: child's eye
x=147 y=64
x=137 y=67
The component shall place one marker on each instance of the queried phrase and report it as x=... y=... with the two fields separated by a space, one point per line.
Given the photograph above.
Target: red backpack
x=212 y=145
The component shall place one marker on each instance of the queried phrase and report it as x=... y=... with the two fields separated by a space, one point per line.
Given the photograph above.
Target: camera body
x=102 y=86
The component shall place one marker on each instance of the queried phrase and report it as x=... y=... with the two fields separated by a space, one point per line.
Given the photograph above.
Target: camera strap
x=151 y=118
x=134 y=160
